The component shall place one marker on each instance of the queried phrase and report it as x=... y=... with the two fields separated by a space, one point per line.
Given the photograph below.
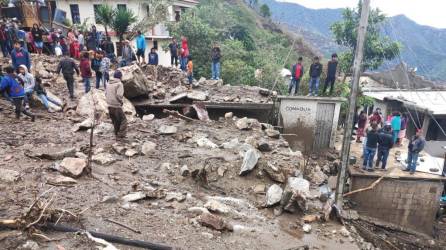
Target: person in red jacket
x=362 y=122
x=75 y=49
x=184 y=53
x=86 y=71
x=296 y=74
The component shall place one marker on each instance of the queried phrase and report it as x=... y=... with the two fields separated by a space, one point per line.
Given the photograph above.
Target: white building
x=79 y=10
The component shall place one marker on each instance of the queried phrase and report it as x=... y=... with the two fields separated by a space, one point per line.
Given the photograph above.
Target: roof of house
x=429 y=100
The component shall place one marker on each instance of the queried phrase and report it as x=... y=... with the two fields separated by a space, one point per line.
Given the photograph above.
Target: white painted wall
x=86 y=10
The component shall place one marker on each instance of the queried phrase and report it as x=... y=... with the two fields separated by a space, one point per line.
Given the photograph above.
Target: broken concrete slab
x=295 y=194
x=189 y=97
x=249 y=161
x=273 y=195
x=72 y=166
x=247 y=124
x=51 y=153
x=167 y=130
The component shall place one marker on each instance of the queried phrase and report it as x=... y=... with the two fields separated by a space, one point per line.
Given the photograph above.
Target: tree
x=157 y=11
x=253 y=3
x=377 y=48
x=105 y=15
x=122 y=20
x=265 y=11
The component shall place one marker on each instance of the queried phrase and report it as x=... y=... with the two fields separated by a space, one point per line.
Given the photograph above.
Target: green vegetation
x=105 y=15
x=122 y=20
x=265 y=11
x=157 y=11
x=377 y=48
x=245 y=44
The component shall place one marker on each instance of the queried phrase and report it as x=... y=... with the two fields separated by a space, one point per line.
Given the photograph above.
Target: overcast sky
x=426 y=12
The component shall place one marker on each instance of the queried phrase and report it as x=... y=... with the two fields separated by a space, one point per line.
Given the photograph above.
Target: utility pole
x=362 y=30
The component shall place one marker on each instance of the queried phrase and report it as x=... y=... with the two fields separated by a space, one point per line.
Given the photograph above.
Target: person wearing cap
x=114 y=96
x=416 y=145
x=385 y=143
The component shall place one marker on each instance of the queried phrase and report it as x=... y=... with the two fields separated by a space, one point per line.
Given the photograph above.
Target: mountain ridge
x=423 y=46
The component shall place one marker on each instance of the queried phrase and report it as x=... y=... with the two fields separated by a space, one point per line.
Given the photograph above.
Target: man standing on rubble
x=416 y=145
x=296 y=74
x=216 y=56
x=173 y=47
x=315 y=76
x=114 y=95
x=385 y=143
x=68 y=67
x=141 y=48
x=16 y=92
x=20 y=56
x=370 y=147
x=331 y=73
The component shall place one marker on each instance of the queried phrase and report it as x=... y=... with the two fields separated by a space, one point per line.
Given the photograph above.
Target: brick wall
x=410 y=203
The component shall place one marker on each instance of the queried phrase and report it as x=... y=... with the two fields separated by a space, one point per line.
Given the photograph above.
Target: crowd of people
x=315 y=72
x=380 y=136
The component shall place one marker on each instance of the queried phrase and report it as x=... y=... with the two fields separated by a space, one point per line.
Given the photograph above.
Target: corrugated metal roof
x=434 y=101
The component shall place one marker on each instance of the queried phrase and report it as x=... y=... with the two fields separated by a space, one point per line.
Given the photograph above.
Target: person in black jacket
x=331 y=73
x=315 y=76
x=109 y=49
x=385 y=143
x=68 y=67
x=416 y=145
x=370 y=147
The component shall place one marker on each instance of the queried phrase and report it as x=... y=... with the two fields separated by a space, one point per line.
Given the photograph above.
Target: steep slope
x=423 y=46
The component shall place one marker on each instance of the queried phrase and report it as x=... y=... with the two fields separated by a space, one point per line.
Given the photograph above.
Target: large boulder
x=295 y=194
x=95 y=97
x=273 y=195
x=135 y=82
x=250 y=160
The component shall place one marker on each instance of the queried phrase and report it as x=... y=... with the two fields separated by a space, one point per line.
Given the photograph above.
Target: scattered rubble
x=8 y=175
x=72 y=166
x=167 y=130
x=249 y=161
x=215 y=222
x=94 y=101
x=273 y=195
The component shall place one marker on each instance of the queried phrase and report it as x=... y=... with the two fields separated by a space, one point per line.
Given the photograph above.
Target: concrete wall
x=410 y=203
x=297 y=115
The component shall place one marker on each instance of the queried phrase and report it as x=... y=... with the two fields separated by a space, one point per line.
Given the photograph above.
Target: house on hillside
x=425 y=108
x=79 y=10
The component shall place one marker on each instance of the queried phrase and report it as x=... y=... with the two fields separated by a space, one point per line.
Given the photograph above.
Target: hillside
x=248 y=42
x=423 y=46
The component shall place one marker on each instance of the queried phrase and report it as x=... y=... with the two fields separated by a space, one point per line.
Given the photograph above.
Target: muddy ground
x=94 y=199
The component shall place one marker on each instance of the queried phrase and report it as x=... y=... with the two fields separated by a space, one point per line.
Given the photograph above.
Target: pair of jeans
x=174 y=59
x=46 y=99
x=70 y=84
x=190 y=78
x=105 y=78
x=87 y=84
x=215 y=70
x=18 y=104
x=412 y=159
x=314 y=85
x=395 y=135
x=368 y=158
x=329 y=81
x=98 y=79
x=383 y=154
x=183 y=63
x=294 y=84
